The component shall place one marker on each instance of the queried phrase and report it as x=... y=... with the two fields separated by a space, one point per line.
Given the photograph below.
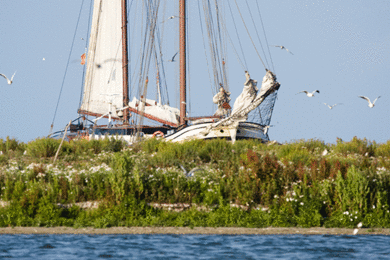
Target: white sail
x=103 y=82
x=157 y=110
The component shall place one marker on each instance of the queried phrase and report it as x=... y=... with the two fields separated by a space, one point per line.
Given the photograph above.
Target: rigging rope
x=235 y=51
x=257 y=33
x=204 y=47
x=208 y=21
x=242 y=18
x=238 y=37
x=266 y=41
x=67 y=65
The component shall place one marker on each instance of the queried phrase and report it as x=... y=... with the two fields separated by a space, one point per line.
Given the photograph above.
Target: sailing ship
x=108 y=92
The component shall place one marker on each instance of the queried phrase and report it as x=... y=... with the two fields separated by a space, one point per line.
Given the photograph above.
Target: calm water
x=194 y=247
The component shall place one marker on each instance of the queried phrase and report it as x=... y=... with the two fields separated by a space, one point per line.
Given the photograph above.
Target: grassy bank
x=248 y=184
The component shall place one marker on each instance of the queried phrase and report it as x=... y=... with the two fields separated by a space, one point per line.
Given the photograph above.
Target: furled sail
x=249 y=100
x=103 y=88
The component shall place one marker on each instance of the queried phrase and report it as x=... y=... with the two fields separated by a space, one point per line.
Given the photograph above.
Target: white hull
x=245 y=130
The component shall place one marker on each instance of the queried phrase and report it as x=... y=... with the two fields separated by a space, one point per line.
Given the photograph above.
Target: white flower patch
x=32 y=165
x=103 y=167
x=41 y=175
x=380 y=170
x=12 y=169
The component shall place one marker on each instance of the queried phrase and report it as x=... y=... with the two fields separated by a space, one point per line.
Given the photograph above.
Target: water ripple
x=194 y=246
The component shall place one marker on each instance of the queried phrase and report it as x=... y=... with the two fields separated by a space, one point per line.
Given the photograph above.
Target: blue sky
x=340 y=47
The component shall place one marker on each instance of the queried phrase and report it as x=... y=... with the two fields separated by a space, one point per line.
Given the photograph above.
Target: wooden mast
x=182 y=32
x=125 y=63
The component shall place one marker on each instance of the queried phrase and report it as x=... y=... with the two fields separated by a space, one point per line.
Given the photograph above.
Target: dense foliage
x=248 y=184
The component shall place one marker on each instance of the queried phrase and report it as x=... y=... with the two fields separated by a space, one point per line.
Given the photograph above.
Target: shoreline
x=191 y=231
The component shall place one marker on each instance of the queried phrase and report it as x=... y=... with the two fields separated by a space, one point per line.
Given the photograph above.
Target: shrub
x=356 y=145
x=43 y=147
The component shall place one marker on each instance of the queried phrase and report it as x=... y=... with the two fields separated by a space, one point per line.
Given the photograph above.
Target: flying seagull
x=282 y=48
x=191 y=173
x=170 y=18
x=371 y=105
x=265 y=128
x=173 y=58
x=330 y=107
x=9 y=81
x=356 y=230
x=309 y=94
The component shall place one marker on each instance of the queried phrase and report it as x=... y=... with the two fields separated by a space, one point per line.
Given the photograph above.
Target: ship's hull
x=245 y=130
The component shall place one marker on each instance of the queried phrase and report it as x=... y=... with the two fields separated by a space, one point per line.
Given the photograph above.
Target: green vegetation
x=248 y=184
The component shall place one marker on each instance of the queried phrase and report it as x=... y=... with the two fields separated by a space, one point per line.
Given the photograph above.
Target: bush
x=43 y=147
x=356 y=145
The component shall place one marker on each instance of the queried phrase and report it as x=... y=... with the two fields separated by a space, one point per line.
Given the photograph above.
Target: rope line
x=238 y=36
x=204 y=47
x=266 y=41
x=257 y=33
x=242 y=18
x=67 y=65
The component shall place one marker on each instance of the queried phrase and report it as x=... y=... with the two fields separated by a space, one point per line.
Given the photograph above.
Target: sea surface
x=194 y=247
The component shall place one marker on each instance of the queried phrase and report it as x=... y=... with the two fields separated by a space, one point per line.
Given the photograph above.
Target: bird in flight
x=265 y=129
x=9 y=81
x=371 y=105
x=282 y=48
x=330 y=107
x=170 y=18
x=308 y=93
x=191 y=173
x=173 y=58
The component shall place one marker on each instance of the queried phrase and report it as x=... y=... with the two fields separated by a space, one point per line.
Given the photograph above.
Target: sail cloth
x=246 y=97
x=268 y=86
x=103 y=82
x=249 y=99
x=162 y=112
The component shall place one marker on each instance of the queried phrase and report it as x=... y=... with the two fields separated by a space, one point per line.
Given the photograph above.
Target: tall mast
x=182 y=32
x=125 y=63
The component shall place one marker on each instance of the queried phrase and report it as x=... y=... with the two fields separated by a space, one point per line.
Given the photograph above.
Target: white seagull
x=371 y=105
x=191 y=173
x=170 y=18
x=360 y=225
x=330 y=107
x=173 y=58
x=355 y=231
x=309 y=94
x=282 y=48
x=9 y=81
x=265 y=128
